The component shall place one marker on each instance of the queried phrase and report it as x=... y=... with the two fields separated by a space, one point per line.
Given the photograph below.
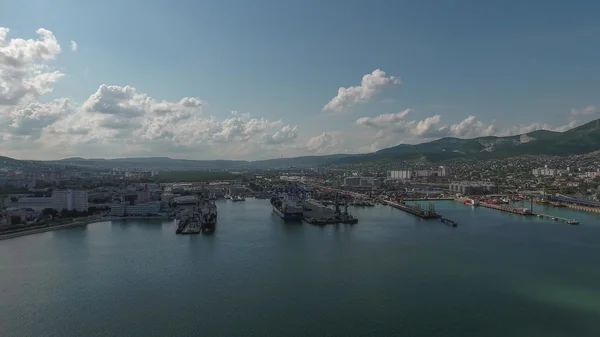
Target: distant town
x=34 y=195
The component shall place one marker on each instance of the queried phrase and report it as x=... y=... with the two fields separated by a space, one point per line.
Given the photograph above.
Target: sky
x=240 y=79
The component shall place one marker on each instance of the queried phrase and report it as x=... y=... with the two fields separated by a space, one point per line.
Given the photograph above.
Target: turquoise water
x=497 y=274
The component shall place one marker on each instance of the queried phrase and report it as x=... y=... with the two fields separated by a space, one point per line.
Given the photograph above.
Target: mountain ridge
x=579 y=140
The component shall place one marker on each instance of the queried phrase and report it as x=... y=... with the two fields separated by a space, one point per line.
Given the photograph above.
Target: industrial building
x=123 y=209
x=473 y=187
x=359 y=181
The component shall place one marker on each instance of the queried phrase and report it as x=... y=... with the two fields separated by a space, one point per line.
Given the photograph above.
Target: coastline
x=73 y=224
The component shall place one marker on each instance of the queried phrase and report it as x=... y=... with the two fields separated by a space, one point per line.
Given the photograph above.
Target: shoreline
x=73 y=224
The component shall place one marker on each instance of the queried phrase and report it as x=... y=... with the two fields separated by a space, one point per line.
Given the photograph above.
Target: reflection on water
x=392 y=273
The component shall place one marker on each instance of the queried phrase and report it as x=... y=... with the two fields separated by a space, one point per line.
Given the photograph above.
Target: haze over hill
x=579 y=140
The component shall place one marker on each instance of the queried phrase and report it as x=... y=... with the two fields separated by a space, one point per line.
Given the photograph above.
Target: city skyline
x=230 y=80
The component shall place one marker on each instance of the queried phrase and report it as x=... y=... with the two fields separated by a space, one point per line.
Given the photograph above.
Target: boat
x=193 y=225
x=345 y=217
x=237 y=198
x=558 y=204
x=287 y=208
x=573 y=222
x=227 y=196
x=471 y=202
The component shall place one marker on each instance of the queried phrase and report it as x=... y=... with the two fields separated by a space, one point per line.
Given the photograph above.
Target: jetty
x=519 y=211
x=449 y=222
x=527 y=212
x=557 y=218
x=415 y=210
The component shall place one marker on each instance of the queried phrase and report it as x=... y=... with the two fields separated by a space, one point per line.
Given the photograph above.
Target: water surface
x=497 y=274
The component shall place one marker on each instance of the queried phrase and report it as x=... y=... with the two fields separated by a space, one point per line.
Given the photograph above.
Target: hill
x=580 y=140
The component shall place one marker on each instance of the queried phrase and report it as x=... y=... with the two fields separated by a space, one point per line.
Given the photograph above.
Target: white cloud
x=320 y=143
x=73 y=45
x=370 y=85
x=585 y=111
x=122 y=121
x=287 y=134
x=29 y=121
x=394 y=128
x=25 y=72
x=115 y=120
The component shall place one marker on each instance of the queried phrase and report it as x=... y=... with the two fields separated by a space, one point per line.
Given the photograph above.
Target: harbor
x=251 y=239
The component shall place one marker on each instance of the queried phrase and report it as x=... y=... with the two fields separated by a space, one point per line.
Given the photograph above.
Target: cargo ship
x=287 y=208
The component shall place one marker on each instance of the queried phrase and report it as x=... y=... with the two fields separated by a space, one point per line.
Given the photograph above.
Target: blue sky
x=515 y=65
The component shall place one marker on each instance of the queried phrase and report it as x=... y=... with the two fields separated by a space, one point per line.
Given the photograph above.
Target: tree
x=50 y=212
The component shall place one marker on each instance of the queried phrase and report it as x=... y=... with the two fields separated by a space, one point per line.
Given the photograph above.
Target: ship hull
x=287 y=216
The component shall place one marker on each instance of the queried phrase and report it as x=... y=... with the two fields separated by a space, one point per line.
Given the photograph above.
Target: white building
x=548 y=172
x=60 y=199
x=400 y=175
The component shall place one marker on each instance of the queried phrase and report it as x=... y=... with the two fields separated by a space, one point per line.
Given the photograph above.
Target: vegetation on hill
x=195 y=176
x=580 y=140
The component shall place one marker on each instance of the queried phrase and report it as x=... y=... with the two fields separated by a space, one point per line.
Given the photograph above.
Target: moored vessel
x=287 y=208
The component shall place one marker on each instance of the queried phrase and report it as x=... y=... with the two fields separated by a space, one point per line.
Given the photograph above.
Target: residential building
x=60 y=199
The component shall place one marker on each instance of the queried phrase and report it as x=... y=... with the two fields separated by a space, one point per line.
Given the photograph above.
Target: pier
x=557 y=218
x=527 y=212
x=519 y=211
x=415 y=210
x=449 y=222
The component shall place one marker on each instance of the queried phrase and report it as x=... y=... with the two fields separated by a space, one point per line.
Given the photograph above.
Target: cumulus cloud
x=30 y=120
x=25 y=72
x=585 y=111
x=395 y=126
x=121 y=120
x=320 y=143
x=114 y=120
x=370 y=86
x=287 y=134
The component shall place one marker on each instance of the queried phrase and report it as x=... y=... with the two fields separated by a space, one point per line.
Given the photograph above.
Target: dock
x=449 y=222
x=557 y=218
x=519 y=211
x=415 y=210
x=527 y=212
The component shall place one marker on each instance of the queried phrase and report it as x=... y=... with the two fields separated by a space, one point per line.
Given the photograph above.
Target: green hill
x=580 y=140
